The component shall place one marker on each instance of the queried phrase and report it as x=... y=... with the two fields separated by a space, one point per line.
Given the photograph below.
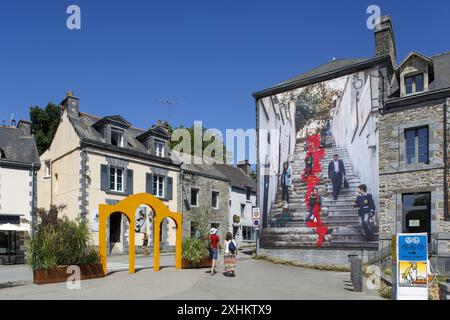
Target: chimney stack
x=244 y=166
x=385 y=40
x=24 y=128
x=71 y=104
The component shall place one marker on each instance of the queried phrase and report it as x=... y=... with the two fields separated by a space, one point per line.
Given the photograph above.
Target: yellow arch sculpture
x=128 y=207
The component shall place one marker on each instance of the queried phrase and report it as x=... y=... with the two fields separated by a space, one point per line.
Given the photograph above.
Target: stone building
x=414 y=148
x=402 y=122
x=19 y=162
x=101 y=160
x=205 y=194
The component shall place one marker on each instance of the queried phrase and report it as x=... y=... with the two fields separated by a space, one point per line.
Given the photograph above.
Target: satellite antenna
x=169 y=103
x=12 y=122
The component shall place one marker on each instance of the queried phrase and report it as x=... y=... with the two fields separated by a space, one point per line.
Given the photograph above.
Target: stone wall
x=397 y=177
x=205 y=186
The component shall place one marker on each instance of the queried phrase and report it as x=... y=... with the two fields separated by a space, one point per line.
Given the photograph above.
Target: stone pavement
x=255 y=279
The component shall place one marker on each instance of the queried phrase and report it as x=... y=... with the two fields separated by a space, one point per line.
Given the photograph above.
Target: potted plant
x=194 y=253
x=236 y=220
x=58 y=243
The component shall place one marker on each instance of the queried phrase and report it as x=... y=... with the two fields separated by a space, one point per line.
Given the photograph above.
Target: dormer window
x=414 y=84
x=159 y=148
x=116 y=137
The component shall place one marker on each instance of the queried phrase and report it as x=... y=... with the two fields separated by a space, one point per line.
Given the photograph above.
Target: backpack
x=232 y=247
x=208 y=243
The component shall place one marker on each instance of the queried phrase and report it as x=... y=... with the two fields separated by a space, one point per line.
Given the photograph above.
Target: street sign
x=256 y=216
x=255 y=213
x=411 y=266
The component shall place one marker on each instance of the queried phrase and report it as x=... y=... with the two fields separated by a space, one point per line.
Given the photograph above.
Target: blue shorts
x=213 y=254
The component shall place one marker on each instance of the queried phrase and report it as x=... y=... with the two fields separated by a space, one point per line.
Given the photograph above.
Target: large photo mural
x=318 y=164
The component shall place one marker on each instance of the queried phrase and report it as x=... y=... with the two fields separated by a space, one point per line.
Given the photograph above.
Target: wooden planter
x=204 y=263
x=59 y=274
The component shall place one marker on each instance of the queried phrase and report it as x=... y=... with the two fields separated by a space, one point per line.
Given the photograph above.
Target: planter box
x=205 y=263
x=59 y=274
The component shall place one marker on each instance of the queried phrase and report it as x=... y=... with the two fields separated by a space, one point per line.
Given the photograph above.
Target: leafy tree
x=172 y=144
x=44 y=123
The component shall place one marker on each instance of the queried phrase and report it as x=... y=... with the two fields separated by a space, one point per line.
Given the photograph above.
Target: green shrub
x=60 y=242
x=194 y=250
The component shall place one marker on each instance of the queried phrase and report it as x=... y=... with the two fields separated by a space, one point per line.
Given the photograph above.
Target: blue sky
x=209 y=56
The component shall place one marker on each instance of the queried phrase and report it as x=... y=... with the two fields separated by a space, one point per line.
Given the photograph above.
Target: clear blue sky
x=208 y=55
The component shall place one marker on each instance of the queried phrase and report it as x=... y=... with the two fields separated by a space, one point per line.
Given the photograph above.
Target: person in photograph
x=214 y=243
x=286 y=181
x=309 y=162
x=366 y=206
x=336 y=172
x=315 y=203
x=145 y=243
x=230 y=252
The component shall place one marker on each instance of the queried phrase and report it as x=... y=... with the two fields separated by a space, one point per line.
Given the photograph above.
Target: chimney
x=71 y=104
x=24 y=128
x=244 y=166
x=384 y=39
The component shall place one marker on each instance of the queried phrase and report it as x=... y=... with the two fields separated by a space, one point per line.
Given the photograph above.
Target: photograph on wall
x=412 y=274
x=318 y=162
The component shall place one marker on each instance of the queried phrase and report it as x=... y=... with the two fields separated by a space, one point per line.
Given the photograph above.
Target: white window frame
x=115 y=175
x=48 y=169
x=197 y=200
x=243 y=205
x=160 y=148
x=413 y=85
x=120 y=133
x=159 y=191
x=212 y=197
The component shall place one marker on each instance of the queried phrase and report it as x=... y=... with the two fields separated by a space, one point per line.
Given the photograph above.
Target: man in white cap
x=214 y=248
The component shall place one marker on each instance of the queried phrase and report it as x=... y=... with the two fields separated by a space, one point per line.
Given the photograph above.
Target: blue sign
x=412 y=247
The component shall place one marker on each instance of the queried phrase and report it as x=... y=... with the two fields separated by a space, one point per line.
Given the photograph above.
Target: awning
x=12 y=227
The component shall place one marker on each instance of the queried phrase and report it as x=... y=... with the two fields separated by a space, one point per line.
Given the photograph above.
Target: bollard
x=350 y=259
x=358 y=275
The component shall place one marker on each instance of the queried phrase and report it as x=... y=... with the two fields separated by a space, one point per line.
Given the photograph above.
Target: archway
x=128 y=207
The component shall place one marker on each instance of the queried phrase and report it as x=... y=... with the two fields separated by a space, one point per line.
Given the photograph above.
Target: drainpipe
x=446 y=213
x=33 y=204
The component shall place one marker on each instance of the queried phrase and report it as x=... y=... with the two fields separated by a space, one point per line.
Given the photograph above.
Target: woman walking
x=286 y=181
x=214 y=245
x=229 y=259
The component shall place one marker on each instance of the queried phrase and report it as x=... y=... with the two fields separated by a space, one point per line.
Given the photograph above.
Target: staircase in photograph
x=289 y=230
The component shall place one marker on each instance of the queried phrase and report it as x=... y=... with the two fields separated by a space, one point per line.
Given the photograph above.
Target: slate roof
x=18 y=147
x=208 y=170
x=327 y=69
x=83 y=127
x=238 y=178
x=441 y=63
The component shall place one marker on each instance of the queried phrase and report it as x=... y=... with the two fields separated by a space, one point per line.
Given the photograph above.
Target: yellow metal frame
x=128 y=207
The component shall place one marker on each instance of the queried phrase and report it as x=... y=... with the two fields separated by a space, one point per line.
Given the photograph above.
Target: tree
x=44 y=123
x=172 y=144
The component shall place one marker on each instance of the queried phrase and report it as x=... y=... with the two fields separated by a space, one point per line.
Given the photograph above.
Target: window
x=417 y=145
x=248 y=234
x=416 y=212
x=159 y=147
x=215 y=199
x=117 y=137
x=158 y=186
x=414 y=84
x=242 y=210
x=7 y=242
x=47 y=169
x=194 y=197
x=116 y=179
x=248 y=194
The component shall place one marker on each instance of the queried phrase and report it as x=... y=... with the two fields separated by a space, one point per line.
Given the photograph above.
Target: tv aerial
x=169 y=103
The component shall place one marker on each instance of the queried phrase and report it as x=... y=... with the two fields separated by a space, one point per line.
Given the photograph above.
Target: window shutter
x=169 y=188
x=104 y=177
x=149 y=183
x=129 y=181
